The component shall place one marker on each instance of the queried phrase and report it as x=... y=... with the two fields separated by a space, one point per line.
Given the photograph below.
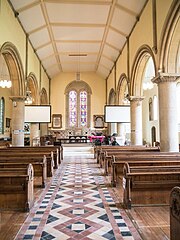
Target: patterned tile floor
x=77 y=204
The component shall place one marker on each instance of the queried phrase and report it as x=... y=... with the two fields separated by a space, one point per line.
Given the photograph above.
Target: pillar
x=121 y=134
x=44 y=129
x=34 y=134
x=113 y=128
x=17 y=120
x=136 y=120
x=167 y=112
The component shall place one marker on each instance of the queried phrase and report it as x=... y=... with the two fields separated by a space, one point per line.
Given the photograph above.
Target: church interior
x=89 y=119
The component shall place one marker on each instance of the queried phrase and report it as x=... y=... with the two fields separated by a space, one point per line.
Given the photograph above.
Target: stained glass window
x=72 y=108
x=83 y=108
x=2 y=115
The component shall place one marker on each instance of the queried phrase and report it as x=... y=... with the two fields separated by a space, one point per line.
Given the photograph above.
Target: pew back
x=16 y=188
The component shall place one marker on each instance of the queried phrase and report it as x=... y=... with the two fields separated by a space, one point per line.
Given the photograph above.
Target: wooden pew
x=104 y=150
x=98 y=149
x=117 y=162
x=16 y=188
x=107 y=157
x=30 y=157
x=33 y=152
x=39 y=168
x=56 y=151
x=149 y=185
x=175 y=213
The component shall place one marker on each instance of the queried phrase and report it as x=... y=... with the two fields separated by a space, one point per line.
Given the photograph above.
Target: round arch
x=169 y=43
x=78 y=86
x=138 y=67
x=32 y=85
x=15 y=68
x=112 y=97
x=122 y=89
x=43 y=97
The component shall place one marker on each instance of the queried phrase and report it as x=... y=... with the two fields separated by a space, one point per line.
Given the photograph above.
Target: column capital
x=18 y=98
x=166 y=77
x=136 y=98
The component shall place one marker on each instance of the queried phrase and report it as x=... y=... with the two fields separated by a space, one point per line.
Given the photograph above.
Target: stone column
x=34 y=134
x=43 y=129
x=17 y=120
x=113 y=128
x=167 y=112
x=121 y=133
x=136 y=120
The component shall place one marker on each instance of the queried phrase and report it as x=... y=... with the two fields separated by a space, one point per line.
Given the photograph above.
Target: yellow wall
x=162 y=10
x=6 y=92
x=121 y=66
x=45 y=82
x=58 y=86
x=110 y=84
x=11 y=30
x=142 y=34
x=33 y=63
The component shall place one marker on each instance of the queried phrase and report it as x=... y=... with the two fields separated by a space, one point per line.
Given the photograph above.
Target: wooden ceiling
x=78 y=35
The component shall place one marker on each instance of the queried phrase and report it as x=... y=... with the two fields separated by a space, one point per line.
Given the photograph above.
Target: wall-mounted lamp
x=28 y=99
x=14 y=104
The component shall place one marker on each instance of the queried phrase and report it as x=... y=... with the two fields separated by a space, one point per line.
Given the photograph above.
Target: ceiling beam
x=107 y=57
x=37 y=29
x=102 y=65
x=112 y=9
x=45 y=14
x=28 y=6
x=90 y=2
x=90 y=25
x=78 y=41
x=118 y=31
x=41 y=46
x=76 y=53
x=122 y=8
x=112 y=46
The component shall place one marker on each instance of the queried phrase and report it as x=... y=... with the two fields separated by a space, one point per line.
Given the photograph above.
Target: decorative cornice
x=166 y=77
x=18 y=98
x=136 y=98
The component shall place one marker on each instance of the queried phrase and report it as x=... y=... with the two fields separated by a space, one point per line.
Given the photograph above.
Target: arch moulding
x=123 y=83
x=143 y=54
x=15 y=67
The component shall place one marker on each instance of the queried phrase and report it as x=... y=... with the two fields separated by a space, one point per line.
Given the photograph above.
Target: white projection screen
x=117 y=114
x=37 y=114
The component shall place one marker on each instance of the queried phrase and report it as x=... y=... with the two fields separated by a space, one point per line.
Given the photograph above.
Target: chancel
x=89 y=119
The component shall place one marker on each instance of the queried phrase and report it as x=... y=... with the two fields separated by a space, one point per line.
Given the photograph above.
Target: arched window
x=153 y=135
x=155 y=108
x=2 y=107
x=83 y=108
x=150 y=110
x=72 y=108
x=77 y=111
x=78 y=98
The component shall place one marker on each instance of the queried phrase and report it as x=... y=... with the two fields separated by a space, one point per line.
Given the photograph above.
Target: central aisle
x=78 y=205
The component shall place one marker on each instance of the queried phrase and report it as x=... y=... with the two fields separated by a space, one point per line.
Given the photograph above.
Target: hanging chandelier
x=5 y=83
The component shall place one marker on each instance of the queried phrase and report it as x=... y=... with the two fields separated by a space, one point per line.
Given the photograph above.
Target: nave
x=78 y=203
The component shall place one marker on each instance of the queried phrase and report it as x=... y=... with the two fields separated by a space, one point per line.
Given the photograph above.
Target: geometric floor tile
x=78 y=204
